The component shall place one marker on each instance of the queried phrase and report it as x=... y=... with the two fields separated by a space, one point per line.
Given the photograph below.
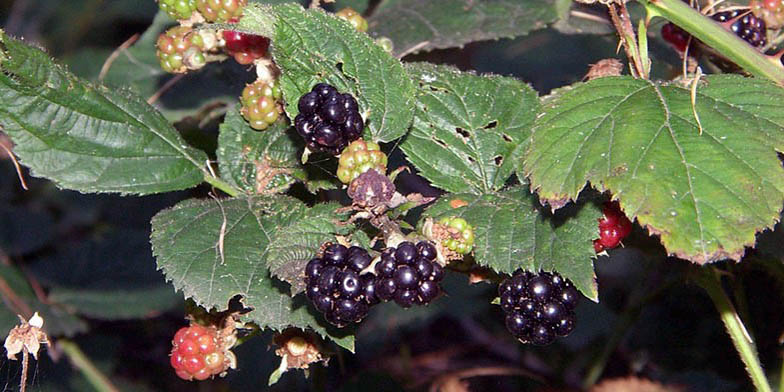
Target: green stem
x=94 y=376
x=711 y=282
x=220 y=184
x=713 y=35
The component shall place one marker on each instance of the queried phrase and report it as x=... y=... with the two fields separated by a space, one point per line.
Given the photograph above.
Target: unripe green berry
x=351 y=16
x=220 y=10
x=260 y=105
x=359 y=157
x=178 y=9
x=462 y=240
x=181 y=49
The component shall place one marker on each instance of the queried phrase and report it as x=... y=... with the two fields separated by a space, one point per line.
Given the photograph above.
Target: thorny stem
x=623 y=24
x=25 y=363
x=94 y=376
x=710 y=280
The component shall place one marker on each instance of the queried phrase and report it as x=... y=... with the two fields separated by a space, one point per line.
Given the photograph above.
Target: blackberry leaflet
x=337 y=287
x=409 y=274
x=538 y=307
x=328 y=120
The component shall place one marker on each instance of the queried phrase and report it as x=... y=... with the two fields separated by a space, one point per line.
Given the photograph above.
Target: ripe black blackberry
x=409 y=274
x=336 y=286
x=538 y=307
x=745 y=25
x=328 y=120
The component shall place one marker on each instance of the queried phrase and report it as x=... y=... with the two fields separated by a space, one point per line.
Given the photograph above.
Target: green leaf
x=705 y=194
x=469 y=131
x=311 y=46
x=512 y=233
x=294 y=245
x=108 y=278
x=215 y=250
x=247 y=156
x=86 y=137
x=416 y=26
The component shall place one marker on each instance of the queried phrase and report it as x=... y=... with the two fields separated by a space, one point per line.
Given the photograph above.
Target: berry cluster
x=178 y=9
x=461 y=235
x=220 y=10
x=357 y=21
x=740 y=21
x=613 y=227
x=245 y=48
x=181 y=49
x=409 y=274
x=359 y=157
x=538 y=307
x=337 y=287
x=199 y=353
x=260 y=105
x=744 y=24
x=328 y=120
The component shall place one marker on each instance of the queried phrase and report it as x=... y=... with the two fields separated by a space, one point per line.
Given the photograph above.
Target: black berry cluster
x=409 y=274
x=745 y=25
x=538 y=307
x=328 y=120
x=336 y=286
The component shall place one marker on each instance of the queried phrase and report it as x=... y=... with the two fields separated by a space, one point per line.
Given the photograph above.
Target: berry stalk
x=713 y=35
x=711 y=282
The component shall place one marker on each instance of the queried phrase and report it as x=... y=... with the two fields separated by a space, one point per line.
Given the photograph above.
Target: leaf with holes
x=294 y=245
x=512 y=232
x=469 y=131
x=311 y=46
x=705 y=191
x=88 y=138
x=258 y=162
x=416 y=25
x=215 y=250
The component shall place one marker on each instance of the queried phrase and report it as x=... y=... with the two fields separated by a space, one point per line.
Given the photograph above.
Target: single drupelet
x=200 y=352
x=409 y=274
x=614 y=226
x=260 y=104
x=328 y=120
x=538 y=307
x=337 y=286
x=359 y=157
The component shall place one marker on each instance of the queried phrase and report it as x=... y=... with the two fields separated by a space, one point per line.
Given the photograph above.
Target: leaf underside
x=705 y=194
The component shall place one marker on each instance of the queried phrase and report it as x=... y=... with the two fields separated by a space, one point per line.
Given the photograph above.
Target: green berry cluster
x=181 y=49
x=462 y=239
x=359 y=157
x=220 y=10
x=260 y=105
x=178 y=9
x=356 y=20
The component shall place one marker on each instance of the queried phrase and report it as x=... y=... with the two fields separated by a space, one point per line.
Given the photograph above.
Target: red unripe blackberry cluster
x=245 y=48
x=538 y=307
x=199 y=353
x=613 y=227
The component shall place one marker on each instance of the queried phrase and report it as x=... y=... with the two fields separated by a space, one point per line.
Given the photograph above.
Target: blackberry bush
x=538 y=307
x=328 y=120
x=486 y=176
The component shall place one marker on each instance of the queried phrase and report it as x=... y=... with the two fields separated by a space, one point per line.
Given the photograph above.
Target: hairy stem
x=715 y=36
x=94 y=376
x=710 y=280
